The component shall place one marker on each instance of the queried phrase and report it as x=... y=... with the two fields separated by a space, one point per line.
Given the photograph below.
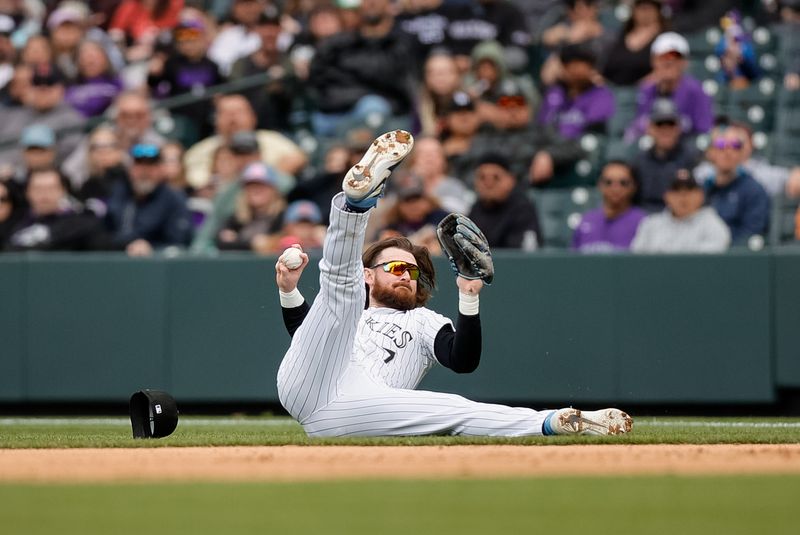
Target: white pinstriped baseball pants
x=314 y=389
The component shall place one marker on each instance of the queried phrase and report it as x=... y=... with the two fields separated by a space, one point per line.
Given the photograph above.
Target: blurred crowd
x=203 y=126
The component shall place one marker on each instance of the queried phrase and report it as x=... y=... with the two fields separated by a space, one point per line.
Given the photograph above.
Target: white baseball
x=291 y=258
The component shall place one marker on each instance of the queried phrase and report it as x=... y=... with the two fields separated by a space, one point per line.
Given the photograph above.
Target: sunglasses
x=5 y=198
x=145 y=151
x=735 y=144
x=625 y=183
x=662 y=124
x=398 y=267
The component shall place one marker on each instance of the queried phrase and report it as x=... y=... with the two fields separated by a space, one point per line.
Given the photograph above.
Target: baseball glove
x=466 y=247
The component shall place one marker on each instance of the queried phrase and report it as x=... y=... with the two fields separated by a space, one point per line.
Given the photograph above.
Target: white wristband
x=468 y=304
x=291 y=299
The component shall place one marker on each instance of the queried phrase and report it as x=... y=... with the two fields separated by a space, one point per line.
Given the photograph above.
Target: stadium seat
x=702 y=43
x=560 y=210
x=754 y=105
x=788 y=113
x=782 y=220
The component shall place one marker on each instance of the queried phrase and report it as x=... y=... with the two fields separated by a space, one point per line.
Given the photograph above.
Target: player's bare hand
x=286 y=278
x=469 y=287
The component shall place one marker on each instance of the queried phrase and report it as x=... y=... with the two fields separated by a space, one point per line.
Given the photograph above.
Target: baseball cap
x=303 y=211
x=38 y=136
x=410 y=187
x=664 y=110
x=259 y=172
x=146 y=153
x=244 y=142
x=577 y=52
x=461 y=101
x=348 y=4
x=683 y=180
x=68 y=12
x=269 y=16
x=46 y=75
x=494 y=158
x=670 y=42
x=188 y=29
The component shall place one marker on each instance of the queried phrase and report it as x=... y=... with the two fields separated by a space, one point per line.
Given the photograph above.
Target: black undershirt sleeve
x=460 y=350
x=293 y=317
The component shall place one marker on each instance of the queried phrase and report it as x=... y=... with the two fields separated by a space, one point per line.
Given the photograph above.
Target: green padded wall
x=12 y=333
x=787 y=319
x=626 y=328
x=557 y=328
x=95 y=327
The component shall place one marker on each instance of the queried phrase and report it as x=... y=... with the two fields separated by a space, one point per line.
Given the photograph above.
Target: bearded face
x=398 y=294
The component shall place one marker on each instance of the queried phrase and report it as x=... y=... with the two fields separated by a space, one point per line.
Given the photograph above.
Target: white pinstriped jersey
x=395 y=347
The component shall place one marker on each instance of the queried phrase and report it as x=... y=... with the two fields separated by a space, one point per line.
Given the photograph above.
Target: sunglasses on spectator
x=4 y=198
x=398 y=267
x=511 y=101
x=623 y=182
x=721 y=143
x=661 y=124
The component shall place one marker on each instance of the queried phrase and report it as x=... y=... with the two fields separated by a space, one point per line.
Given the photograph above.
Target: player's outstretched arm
x=288 y=269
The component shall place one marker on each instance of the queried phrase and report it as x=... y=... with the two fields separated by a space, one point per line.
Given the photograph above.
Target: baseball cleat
x=364 y=182
x=603 y=422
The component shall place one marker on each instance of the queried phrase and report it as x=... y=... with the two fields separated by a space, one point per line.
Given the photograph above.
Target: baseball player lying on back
x=352 y=371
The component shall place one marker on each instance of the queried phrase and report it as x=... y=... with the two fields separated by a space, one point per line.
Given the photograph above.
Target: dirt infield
x=304 y=463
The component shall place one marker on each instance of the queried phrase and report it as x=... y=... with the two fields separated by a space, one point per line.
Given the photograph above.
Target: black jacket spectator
x=65 y=231
x=656 y=172
x=350 y=66
x=161 y=217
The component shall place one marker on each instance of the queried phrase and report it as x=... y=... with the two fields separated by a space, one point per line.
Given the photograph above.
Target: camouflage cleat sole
x=364 y=182
x=603 y=422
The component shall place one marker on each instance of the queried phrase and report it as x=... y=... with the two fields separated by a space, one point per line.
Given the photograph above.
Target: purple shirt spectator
x=693 y=104
x=573 y=116
x=598 y=234
x=92 y=97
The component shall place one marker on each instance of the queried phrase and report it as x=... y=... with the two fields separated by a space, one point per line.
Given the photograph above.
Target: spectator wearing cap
x=364 y=76
x=671 y=150
x=611 y=227
x=775 y=179
x=139 y=23
x=43 y=103
x=52 y=223
x=69 y=25
x=669 y=79
x=503 y=101
x=302 y=225
x=573 y=107
x=233 y=113
x=38 y=144
x=145 y=214
x=7 y=51
x=186 y=69
x=736 y=196
x=628 y=56
x=96 y=85
x=685 y=226
x=461 y=124
x=256 y=222
x=414 y=214
x=502 y=210
x=238 y=37
x=272 y=100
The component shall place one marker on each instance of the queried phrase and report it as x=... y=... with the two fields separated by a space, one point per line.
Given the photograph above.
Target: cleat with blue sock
x=364 y=182
x=576 y=422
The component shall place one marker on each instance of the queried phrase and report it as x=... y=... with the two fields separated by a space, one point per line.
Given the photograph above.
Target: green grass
x=77 y=433
x=641 y=505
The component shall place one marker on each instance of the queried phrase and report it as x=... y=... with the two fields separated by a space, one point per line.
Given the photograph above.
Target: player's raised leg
x=321 y=347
